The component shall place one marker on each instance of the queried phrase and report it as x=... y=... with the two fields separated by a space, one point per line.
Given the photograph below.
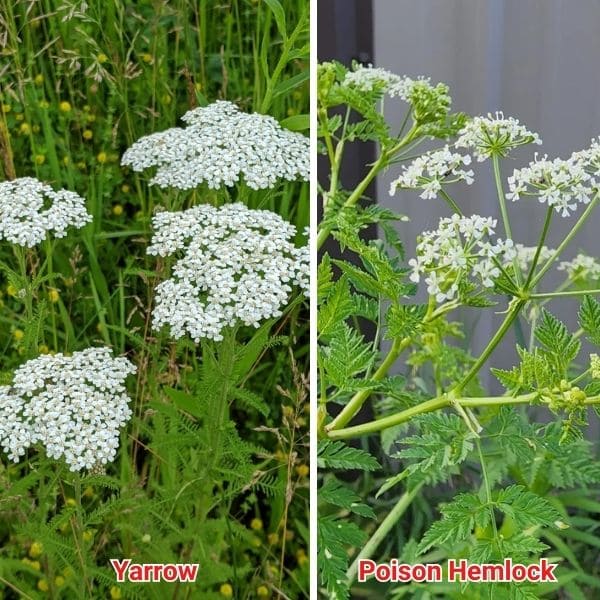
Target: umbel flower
x=582 y=267
x=73 y=405
x=235 y=265
x=589 y=158
x=219 y=146
x=558 y=183
x=494 y=134
x=429 y=171
x=369 y=78
x=30 y=210
x=460 y=250
x=525 y=255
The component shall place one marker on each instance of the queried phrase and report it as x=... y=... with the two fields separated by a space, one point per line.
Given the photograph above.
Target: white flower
x=525 y=255
x=30 y=210
x=235 y=265
x=15 y=433
x=220 y=145
x=430 y=170
x=494 y=134
x=590 y=158
x=581 y=267
x=73 y=405
x=559 y=183
x=459 y=250
x=368 y=78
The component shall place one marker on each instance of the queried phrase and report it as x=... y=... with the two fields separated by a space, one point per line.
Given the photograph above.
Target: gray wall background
x=537 y=60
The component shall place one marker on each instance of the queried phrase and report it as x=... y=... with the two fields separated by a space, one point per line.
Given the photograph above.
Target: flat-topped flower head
x=526 y=254
x=222 y=146
x=73 y=405
x=31 y=210
x=494 y=134
x=460 y=250
x=581 y=268
x=429 y=171
x=559 y=183
x=235 y=266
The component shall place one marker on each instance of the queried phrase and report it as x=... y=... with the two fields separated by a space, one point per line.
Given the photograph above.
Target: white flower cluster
x=429 y=171
x=459 y=249
x=581 y=267
x=590 y=158
x=30 y=210
x=525 y=255
x=73 y=405
x=218 y=146
x=559 y=183
x=369 y=78
x=494 y=134
x=237 y=265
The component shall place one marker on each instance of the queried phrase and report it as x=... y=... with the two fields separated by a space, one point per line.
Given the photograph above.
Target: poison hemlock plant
x=446 y=469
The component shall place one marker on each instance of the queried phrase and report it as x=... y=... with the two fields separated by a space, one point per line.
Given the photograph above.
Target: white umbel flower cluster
x=73 y=405
x=429 y=171
x=494 y=134
x=582 y=267
x=558 y=183
x=30 y=210
x=367 y=78
x=589 y=158
x=237 y=265
x=220 y=145
x=525 y=255
x=460 y=249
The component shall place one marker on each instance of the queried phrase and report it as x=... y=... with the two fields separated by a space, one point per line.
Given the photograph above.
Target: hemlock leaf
x=443 y=442
x=346 y=356
x=404 y=320
x=365 y=307
x=324 y=278
x=337 y=308
x=334 y=537
x=589 y=319
x=525 y=507
x=336 y=493
x=459 y=518
x=337 y=455
x=557 y=342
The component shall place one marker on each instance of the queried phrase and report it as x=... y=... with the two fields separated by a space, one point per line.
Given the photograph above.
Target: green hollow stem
x=376 y=168
x=565 y=294
x=450 y=201
x=356 y=402
x=382 y=531
x=434 y=404
x=504 y=211
x=500 y=333
x=565 y=242
x=538 y=251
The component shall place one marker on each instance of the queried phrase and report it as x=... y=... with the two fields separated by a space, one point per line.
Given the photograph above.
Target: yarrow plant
x=74 y=406
x=221 y=146
x=238 y=267
x=454 y=468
